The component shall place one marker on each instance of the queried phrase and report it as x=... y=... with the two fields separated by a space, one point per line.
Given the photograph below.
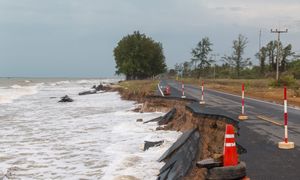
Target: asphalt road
x=260 y=136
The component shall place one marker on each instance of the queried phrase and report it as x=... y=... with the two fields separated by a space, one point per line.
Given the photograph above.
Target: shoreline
x=210 y=128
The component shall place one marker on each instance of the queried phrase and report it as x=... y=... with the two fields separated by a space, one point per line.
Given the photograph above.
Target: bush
x=296 y=92
x=285 y=80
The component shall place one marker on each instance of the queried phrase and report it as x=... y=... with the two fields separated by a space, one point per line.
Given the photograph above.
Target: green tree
x=236 y=59
x=286 y=53
x=271 y=53
x=262 y=56
x=138 y=56
x=200 y=55
x=186 y=69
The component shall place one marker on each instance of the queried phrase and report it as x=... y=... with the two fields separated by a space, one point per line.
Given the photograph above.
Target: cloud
x=87 y=30
x=236 y=8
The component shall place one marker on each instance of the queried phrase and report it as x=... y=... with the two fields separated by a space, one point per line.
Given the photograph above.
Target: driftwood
x=100 y=87
x=66 y=98
x=87 y=92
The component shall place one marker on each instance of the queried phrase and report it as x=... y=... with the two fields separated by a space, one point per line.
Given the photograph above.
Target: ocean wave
x=8 y=95
x=62 y=82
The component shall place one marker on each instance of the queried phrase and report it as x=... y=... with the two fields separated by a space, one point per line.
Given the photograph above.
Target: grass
x=139 y=87
x=256 y=88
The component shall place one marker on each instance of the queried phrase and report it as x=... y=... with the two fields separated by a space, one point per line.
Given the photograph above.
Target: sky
x=76 y=38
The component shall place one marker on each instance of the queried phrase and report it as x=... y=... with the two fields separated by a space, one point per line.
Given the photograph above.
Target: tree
x=200 y=54
x=236 y=59
x=271 y=46
x=172 y=72
x=178 y=68
x=286 y=52
x=262 y=55
x=186 y=69
x=138 y=56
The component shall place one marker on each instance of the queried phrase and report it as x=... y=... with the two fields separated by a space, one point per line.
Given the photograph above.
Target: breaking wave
x=8 y=95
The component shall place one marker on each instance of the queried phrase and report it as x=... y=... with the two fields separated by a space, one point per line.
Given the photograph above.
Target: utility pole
x=259 y=43
x=259 y=46
x=215 y=71
x=278 y=51
x=215 y=60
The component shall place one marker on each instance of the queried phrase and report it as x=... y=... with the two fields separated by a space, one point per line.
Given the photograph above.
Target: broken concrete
x=149 y=144
x=180 y=157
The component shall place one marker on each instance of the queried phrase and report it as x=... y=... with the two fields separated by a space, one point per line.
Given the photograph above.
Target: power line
x=278 y=51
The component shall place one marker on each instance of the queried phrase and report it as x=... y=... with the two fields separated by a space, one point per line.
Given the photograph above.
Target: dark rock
x=66 y=98
x=149 y=144
x=208 y=163
x=100 y=87
x=87 y=92
x=139 y=120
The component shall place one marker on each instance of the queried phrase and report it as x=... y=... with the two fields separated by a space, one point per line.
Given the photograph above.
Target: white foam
x=62 y=82
x=7 y=95
x=94 y=137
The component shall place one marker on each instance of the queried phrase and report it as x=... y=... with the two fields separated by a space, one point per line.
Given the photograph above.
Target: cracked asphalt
x=264 y=159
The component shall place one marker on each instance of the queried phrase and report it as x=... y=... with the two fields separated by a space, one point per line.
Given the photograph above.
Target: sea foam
x=8 y=94
x=94 y=137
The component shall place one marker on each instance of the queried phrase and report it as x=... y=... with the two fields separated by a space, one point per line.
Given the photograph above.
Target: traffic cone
x=230 y=156
x=168 y=91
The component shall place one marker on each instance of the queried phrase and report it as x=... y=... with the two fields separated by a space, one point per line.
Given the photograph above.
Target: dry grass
x=256 y=88
x=137 y=89
x=145 y=86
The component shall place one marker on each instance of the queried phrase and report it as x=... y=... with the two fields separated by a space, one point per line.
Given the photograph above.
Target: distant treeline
x=138 y=57
x=207 y=64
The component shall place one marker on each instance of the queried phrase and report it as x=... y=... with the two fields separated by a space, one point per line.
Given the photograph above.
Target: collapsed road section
x=203 y=139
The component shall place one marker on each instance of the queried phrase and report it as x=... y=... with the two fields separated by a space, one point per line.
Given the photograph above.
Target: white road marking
x=160 y=90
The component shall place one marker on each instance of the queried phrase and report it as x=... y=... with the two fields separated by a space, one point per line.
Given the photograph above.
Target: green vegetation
x=200 y=56
x=138 y=57
x=236 y=60
x=136 y=89
x=204 y=64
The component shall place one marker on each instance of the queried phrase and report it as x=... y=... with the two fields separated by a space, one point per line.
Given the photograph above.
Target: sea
x=94 y=137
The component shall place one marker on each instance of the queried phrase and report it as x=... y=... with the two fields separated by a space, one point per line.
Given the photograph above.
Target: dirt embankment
x=211 y=130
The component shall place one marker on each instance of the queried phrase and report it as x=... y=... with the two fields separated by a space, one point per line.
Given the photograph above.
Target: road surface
x=259 y=134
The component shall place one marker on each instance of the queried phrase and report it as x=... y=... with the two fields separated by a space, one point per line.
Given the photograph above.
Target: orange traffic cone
x=230 y=157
